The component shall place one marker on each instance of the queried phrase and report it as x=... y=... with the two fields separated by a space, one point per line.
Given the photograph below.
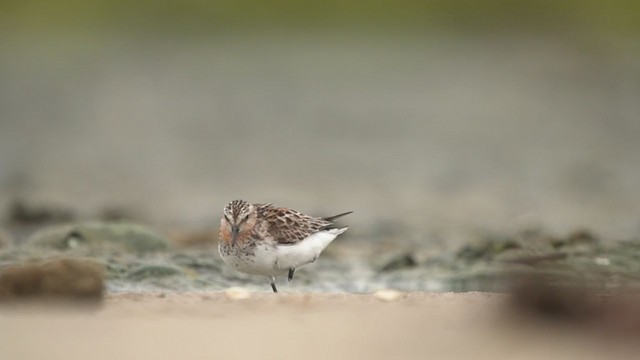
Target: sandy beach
x=294 y=326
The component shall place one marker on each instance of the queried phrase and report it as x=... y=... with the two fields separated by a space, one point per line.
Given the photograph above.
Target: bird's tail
x=334 y=217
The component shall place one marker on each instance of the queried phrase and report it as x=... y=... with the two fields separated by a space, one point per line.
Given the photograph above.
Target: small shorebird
x=263 y=239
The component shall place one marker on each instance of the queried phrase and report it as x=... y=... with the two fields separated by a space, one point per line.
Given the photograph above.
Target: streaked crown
x=236 y=211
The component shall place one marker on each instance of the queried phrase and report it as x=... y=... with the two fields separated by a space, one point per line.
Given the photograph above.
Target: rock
x=29 y=213
x=582 y=236
x=73 y=279
x=153 y=272
x=116 y=213
x=535 y=259
x=474 y=252
x=486 y=249
x=100 y=238
x=399 y=262
x=602 y=261
x=553 y=297
x=388 y=295
x=237 y=293
x=577 y=239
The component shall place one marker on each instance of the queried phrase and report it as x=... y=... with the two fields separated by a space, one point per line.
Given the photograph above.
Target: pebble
x=237 y=293
x=388 y=295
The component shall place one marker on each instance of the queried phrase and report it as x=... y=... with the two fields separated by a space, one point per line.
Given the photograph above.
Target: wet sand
x=294 y=326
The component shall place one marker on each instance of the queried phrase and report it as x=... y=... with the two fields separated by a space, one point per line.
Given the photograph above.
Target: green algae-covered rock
x=399 y=262
x=153 y=271
x=99 y=238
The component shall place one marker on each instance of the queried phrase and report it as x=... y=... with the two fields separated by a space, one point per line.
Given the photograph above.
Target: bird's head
x=239 y=217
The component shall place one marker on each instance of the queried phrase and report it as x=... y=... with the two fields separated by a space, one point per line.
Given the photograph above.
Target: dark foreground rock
x=59 y=279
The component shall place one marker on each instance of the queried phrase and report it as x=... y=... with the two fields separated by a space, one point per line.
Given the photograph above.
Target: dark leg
x=273 y=285
x=291 y=273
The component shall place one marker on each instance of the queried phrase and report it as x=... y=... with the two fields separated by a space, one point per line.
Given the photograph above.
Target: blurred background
x=429 y=114
x=483 y=145
x=431 y=120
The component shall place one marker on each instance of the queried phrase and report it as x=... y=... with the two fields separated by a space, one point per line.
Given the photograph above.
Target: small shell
x=388 y=295
x=237 y=293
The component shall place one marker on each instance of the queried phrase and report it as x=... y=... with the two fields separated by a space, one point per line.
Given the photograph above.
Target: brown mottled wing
x=289 y=226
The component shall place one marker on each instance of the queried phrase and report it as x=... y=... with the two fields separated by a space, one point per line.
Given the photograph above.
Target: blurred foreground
x=209 y=325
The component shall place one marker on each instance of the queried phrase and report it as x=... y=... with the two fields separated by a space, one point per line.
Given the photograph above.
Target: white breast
x=260 y=261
